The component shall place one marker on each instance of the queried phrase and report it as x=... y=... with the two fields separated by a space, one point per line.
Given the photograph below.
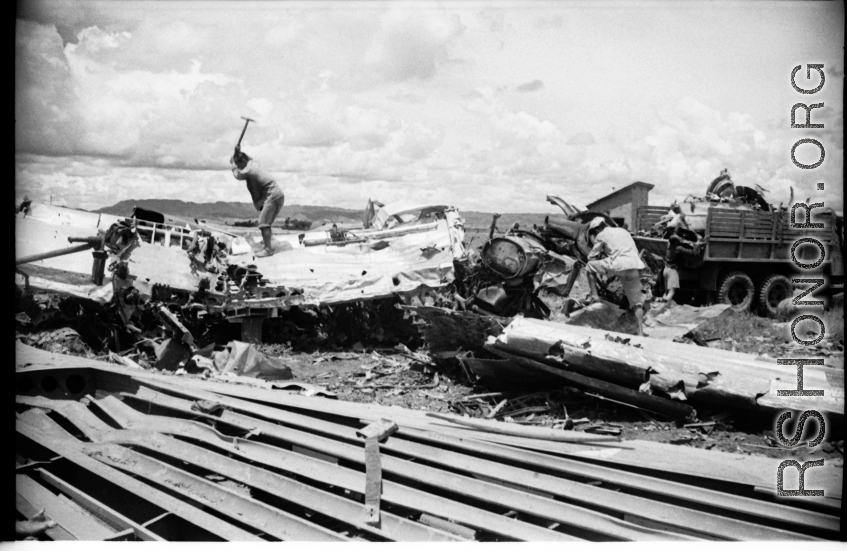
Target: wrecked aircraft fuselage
x=215 y=271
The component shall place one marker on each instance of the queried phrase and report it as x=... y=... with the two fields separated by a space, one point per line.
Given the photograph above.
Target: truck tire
x=774 y=289
x=737 y=290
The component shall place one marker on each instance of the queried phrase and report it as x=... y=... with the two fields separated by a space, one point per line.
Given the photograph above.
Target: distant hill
x=474 y=219
x=222 y=211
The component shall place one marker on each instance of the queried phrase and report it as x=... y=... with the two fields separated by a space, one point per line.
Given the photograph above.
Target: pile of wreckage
x=691 y=217
x=721 y=192
x=174 y=287
x=170 y=287
x=124 y=450
x=655 y=375
x=152 y=258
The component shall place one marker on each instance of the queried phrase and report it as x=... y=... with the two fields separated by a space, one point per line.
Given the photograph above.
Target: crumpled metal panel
x=47 y=228
x=720 y=377
x=331 y=274
x=327 y=274
x=399 y=208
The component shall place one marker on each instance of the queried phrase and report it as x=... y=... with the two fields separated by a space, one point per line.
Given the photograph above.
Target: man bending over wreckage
x=614 y=254
x=267 y=196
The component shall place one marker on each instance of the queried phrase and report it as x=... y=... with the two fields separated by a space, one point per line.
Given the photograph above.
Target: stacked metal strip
x=135 y=458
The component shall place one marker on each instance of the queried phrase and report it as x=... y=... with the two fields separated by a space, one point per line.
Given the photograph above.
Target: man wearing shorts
x=614 y=254
x=678 y=247
x=267 y=196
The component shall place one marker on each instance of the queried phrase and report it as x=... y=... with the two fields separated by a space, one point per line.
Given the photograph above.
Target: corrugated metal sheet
x=123 y=454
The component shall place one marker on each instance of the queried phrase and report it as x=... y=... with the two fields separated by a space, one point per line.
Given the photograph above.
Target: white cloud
x=532 y=86
x=693 y=142
x=261 y=106
x=582 y=138
x=374 y=101
x=413 y=43
x=43 y=121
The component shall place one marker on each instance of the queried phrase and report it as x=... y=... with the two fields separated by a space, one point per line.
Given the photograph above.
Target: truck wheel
x=737 y=290
x=774 y=290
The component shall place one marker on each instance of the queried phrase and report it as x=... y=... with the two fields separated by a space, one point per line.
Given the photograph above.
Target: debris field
x=390 y=383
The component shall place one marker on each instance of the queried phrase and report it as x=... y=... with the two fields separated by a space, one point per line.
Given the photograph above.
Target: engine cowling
x=513 y=256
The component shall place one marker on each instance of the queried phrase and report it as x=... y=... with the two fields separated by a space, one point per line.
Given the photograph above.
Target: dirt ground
x=350 y=374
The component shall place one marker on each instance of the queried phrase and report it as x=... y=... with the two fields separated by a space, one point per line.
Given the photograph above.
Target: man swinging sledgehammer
x=267 y=196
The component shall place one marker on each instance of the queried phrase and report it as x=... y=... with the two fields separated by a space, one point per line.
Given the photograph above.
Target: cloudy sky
x=487 y=105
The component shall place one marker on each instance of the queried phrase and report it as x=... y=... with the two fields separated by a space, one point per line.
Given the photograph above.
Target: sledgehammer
x=372 y=434
x=246 y=122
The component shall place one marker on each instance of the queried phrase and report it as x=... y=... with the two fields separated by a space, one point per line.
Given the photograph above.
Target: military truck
x=746 y=254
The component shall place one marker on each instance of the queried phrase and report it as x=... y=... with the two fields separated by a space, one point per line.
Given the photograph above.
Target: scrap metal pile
x=654 y=375
x=406 y=247
x=163 y=286
x=128 y=451
x=513 y=269
x=111 y=454
x=174 y=290
x=721 y=192
x=155 y=277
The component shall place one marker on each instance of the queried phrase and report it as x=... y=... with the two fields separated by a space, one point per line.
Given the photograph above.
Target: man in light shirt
x=267 y=196
x=614 y=254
